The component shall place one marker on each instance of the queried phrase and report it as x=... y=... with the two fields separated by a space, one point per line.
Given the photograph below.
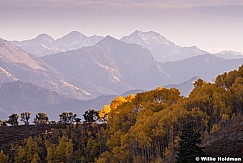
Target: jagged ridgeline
x=147 y=127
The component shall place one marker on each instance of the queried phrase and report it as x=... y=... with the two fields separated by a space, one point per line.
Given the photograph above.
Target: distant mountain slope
x=206 y=66
x=185 y=87
x=133 y=91
x=18 y=97
x=44 y=44
x=16 y=64
x=228 y=54
x=111 y=64
x=162 y=49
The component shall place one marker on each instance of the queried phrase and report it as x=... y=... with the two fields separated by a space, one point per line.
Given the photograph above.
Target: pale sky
x=212 y=25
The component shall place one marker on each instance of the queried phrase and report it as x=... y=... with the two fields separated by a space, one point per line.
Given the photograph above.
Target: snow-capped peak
x=147 y=38
x=230 y=52
x=44 y=37
x=107 y=41
x=73 y=36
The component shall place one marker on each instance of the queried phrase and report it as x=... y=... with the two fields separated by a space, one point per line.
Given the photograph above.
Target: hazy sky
x=212 y=25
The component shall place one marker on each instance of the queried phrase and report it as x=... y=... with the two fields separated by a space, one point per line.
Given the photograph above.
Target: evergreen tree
x=188 y=145
x=41 y=118
x=25 y=117
x=13 y=119
x=67 y=117
x=91 y=115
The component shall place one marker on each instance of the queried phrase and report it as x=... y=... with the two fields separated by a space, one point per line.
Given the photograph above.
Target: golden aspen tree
x=36 y=158
x=3 y=157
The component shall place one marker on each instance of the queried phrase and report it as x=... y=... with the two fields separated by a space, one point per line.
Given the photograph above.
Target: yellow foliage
x=166 y=152
x=129 y=98
x=215 y=128
x=225 y=117
x=158 y=160
x=120 y=100
x=101 y=160
x=103 y=113
x=176 y=141
x=117 y=101
x=3 y=157
x=159 y=88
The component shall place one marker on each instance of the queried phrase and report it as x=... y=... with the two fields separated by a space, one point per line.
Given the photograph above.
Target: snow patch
x=115 y=75
x=206 y=59
x=6 y=73
x=46 y=47
x=66 y=84
x=115 y=78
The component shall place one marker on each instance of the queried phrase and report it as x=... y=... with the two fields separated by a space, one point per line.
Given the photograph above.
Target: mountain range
x=16 y=64
x=118 y=66
x=161 y=48
x=70 y=72
x=205 y=66
x=111 y=64
x=229 y=54
x=44 y=44
x=18 y=96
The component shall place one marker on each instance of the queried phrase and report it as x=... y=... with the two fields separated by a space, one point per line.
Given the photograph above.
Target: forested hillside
x=148 y=127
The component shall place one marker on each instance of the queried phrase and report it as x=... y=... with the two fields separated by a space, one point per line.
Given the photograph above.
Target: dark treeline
x=149 y=127
x=42 y=118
